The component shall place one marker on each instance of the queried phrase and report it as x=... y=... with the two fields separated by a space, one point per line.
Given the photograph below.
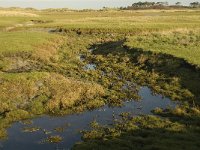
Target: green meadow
x=181 y=45
x=44 y=57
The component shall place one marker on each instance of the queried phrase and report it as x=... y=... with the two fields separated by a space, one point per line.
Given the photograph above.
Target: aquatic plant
x=31 y=129
x=147 y=132
x=53 y=139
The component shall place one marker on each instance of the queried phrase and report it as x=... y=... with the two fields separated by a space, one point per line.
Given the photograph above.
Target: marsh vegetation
x=64 y=63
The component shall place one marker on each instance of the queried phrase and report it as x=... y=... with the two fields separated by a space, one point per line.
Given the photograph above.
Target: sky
x=77 y=4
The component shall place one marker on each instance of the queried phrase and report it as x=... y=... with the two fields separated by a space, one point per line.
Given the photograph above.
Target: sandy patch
x=17 y=13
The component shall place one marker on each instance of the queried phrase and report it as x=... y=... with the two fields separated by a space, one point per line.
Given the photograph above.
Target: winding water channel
x=18 y=139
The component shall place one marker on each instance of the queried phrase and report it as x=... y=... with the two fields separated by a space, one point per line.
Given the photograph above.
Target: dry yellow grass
x=20 y=90
x=166 y=10
x=48 y=50
x=17 y=13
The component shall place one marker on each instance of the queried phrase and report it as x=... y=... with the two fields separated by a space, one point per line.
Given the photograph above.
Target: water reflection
x=90 y=66
x=25 y=140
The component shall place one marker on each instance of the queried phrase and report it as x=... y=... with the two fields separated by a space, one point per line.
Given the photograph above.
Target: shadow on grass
x=176 y=132
x=164 y=64
x=145 y=139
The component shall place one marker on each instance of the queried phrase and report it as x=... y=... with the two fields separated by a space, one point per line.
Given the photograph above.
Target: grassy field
x=182 y=45
x=43 y=55
x=125 y=21
x=23 y=41
x=11 y=18
x=115 y=21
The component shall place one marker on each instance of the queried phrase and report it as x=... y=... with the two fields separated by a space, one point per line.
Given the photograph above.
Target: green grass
x=177 y=44
x=123 y=21
x=11 y=21
x=33 y=45
x=114 y=21
x=13 y=42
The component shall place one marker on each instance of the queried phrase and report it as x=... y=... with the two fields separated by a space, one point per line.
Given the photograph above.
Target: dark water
x=19 y=140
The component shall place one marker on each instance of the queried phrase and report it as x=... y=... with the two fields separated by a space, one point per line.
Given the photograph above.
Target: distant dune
x=17 y=13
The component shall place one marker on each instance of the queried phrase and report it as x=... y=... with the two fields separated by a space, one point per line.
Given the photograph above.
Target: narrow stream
x=17 y=139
